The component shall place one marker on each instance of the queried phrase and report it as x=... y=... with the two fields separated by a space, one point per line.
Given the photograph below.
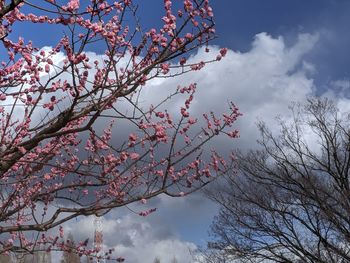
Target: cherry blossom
x=63 y=151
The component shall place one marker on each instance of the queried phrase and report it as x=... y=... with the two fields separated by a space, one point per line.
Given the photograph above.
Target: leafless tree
x=290 y=200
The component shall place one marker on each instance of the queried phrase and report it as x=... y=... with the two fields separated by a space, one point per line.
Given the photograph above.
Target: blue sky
x=239 y=20
x=279 y=51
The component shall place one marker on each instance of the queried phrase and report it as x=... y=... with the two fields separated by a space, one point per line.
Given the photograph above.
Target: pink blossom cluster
x=58 y=157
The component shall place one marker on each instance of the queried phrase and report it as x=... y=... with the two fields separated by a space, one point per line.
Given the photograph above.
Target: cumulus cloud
x=136 y=239
x=262 y=82
x=146 y=242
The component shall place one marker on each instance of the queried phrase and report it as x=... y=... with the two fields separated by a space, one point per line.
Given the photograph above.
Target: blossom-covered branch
x=56 y=162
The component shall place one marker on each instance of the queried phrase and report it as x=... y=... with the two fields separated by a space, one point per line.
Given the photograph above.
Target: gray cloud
x=262 y=82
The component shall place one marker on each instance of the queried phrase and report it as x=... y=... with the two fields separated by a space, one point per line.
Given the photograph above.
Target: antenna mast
x=98 y=240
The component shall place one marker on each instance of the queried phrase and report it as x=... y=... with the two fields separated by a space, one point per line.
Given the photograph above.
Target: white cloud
x=135 y=238
x=262 y=82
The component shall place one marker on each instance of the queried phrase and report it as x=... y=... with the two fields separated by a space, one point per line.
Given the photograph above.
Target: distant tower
x=98 y=239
